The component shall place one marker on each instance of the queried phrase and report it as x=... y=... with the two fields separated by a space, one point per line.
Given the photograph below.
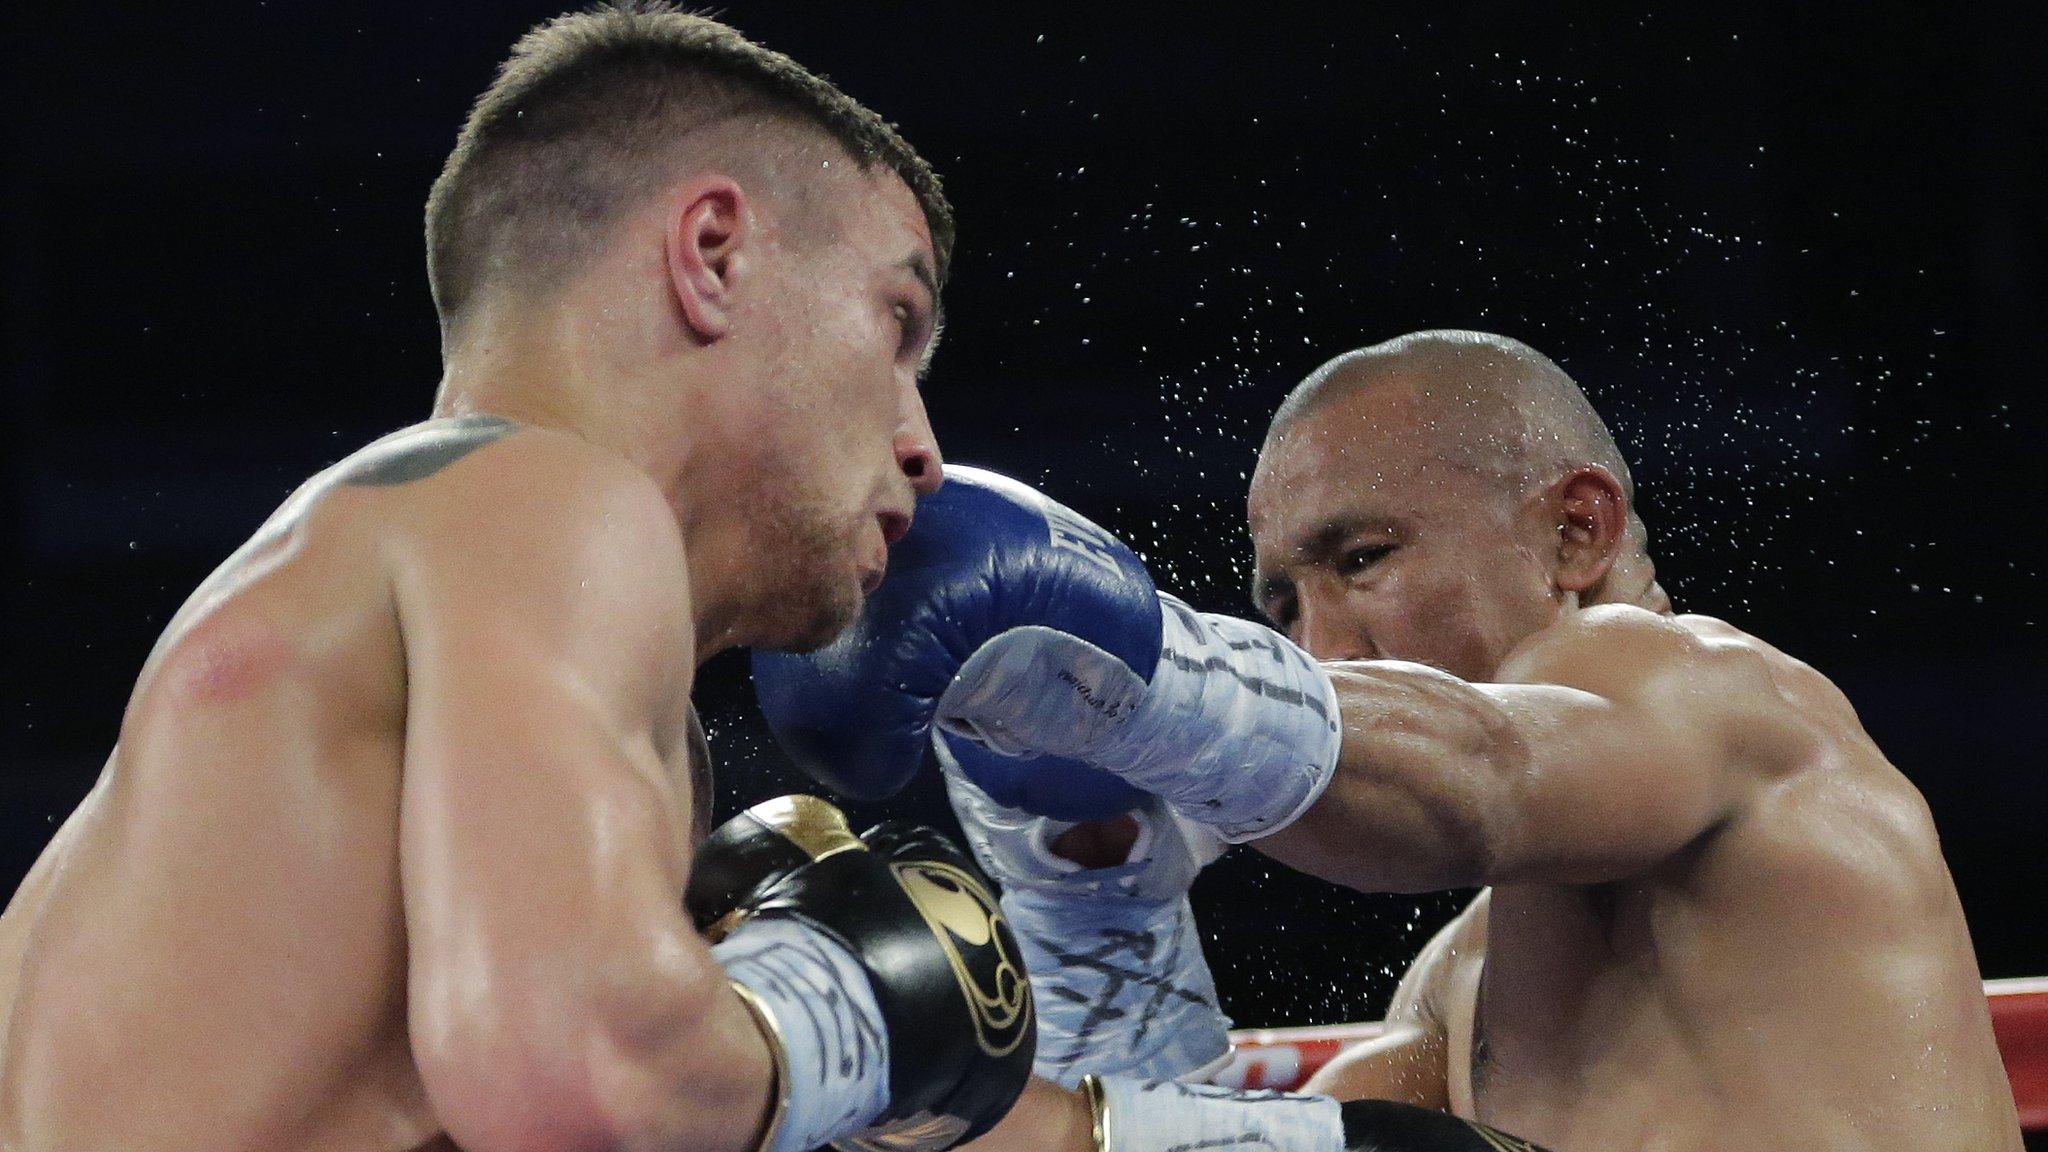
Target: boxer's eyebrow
x=1327 y=539
x=920 y=266
x=1318 y=545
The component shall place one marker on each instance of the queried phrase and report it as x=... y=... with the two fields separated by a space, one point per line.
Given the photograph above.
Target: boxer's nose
x=1327 y=632
x=917 y=448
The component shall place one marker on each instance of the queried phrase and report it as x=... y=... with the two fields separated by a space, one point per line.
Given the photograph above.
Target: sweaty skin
x=1717 y=917
x=391 y=849
x=214 y=951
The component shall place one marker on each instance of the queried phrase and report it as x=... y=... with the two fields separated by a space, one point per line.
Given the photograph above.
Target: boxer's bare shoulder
x=1797 y=772
x=245 y=831
x=1810 y=912
x=1740 y=704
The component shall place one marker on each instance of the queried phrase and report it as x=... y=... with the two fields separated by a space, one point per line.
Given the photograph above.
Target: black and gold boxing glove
x=880 y=968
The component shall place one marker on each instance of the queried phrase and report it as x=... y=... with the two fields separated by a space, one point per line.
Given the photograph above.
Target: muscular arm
x=558 y=995
x=1618 y=738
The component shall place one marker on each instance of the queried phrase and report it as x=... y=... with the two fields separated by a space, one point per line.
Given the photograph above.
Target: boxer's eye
x=910 y=330
x=1276 y=601
x=1355 y=561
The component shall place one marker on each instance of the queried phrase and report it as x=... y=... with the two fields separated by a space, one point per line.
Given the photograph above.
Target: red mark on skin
x=227 y=666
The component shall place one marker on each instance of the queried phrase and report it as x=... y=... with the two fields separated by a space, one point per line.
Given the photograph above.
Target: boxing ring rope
x=1286 y=1057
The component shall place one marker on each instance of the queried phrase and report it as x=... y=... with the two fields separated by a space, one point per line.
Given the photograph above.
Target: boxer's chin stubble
x=818 y=594
x=826 y=622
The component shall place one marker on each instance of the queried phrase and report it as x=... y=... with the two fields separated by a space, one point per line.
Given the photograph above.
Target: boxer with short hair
x=392 y=849
x=1717 y=916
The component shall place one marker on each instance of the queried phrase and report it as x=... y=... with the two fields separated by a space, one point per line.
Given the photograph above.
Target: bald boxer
x=391 y=851
x=1717 y=916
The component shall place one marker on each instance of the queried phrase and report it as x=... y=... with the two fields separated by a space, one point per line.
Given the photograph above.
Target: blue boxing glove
x=982 y=552
x=1014 y=622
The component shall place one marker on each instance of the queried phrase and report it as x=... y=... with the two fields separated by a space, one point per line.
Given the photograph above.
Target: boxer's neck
x=573 y=369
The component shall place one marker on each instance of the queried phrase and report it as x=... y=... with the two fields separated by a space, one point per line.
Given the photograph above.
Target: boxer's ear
x=707 y=232
x=1589 y=507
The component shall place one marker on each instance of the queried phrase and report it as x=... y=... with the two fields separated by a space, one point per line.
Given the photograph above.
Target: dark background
x=1797 y=258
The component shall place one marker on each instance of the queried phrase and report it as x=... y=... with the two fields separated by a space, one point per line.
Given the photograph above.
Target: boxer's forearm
x=682 y=1066
x=1604 y=754
x=1047 y=1118
x=1418 y=800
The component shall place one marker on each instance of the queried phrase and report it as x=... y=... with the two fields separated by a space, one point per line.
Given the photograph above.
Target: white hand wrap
x=1165 y=1116
x=832 y=1050
x=1116 y=964
x=1238 y=728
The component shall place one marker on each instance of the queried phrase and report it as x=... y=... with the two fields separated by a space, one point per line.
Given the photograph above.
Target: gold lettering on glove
x=817 y=827
x=924 y=1132
x=964 y=918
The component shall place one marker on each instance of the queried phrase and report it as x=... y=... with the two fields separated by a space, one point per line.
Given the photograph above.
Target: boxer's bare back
x=213 y=950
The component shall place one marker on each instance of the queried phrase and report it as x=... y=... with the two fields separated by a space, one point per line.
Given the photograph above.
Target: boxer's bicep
x=542 y=849
x=1589 y=789
x=1619 y=748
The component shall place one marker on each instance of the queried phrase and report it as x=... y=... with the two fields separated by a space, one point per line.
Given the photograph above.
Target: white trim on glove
x=1134 y=1115
x=1238 y=728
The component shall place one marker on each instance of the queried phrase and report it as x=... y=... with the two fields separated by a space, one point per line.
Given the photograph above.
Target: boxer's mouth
x=893 y=526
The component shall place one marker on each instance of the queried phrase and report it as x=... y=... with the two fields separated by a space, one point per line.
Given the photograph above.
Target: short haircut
x=586 y=118
x=1496 y=405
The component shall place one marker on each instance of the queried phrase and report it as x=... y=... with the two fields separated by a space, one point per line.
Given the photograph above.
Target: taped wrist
x=1239 y=729
x=1133 y=1115
x=1121 y=987
x=813 y=1002
x=1116 y=963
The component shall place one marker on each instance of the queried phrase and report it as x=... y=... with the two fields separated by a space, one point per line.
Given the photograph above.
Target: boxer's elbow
x=498 y=1083
x=514 y=1066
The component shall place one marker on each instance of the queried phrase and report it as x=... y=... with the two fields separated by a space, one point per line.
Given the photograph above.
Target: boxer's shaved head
x=1485 y=403
x=1436 y=498
x=596 y=111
